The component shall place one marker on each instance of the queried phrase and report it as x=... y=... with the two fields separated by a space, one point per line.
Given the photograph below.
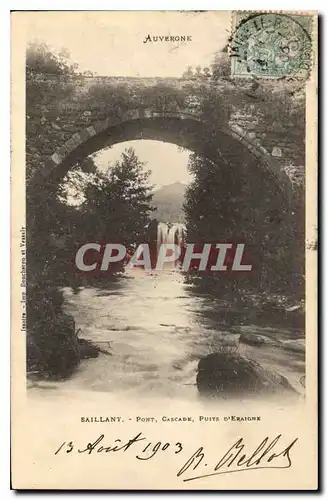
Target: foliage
x=220 y=204
x=48 y=83
x=54 y=227
x=276 y=107
x=116 y=204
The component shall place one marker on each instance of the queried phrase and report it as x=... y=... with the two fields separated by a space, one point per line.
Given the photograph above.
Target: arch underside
x=179 y=132
x=185 y=132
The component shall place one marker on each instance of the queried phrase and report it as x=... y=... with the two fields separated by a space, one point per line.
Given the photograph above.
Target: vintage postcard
x=164 y=250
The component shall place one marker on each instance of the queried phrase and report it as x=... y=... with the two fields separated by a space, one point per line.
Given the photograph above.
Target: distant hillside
x=168 y=200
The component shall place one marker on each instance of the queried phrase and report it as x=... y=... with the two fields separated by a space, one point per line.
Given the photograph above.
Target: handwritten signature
x=269 y=454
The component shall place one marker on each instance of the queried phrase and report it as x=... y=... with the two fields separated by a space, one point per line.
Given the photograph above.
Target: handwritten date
x=268 y=454
x=148 y=451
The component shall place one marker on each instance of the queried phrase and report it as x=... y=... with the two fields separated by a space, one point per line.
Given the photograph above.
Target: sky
x=111 y=43
x=166 y=161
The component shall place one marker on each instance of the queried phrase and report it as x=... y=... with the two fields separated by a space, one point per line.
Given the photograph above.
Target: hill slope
x=169 y=200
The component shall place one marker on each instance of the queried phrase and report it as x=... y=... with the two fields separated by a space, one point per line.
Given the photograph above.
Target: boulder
x=225 y=375
x=297 y=345
x=254 y=339
x=87 y=349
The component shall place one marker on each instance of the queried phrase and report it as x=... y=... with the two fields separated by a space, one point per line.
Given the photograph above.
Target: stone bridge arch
x=178 y=128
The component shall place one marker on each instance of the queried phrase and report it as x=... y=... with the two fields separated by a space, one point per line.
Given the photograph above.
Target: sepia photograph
x=162 y=252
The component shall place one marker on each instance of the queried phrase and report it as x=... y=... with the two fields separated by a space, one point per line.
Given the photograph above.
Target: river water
x=156 y=330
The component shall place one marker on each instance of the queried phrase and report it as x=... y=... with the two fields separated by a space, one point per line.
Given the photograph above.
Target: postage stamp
x=271 y=45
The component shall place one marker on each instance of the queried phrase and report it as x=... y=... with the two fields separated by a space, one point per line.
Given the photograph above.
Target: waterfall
x=162 y=233
x=170 y=234
x=173 y=233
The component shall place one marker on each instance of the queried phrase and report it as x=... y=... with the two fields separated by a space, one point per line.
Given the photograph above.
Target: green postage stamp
x=271 y=45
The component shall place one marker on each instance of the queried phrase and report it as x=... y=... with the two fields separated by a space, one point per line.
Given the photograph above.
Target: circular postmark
x=271 y=45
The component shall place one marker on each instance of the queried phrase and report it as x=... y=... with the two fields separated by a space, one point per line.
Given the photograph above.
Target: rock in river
x=255 y=339
x=224 y=375
x=87 y=349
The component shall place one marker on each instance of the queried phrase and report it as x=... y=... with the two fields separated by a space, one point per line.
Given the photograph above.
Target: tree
x=52 y=345
x=117 y=202
x=219 y=203
x=188 y=73
x=221 y=64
